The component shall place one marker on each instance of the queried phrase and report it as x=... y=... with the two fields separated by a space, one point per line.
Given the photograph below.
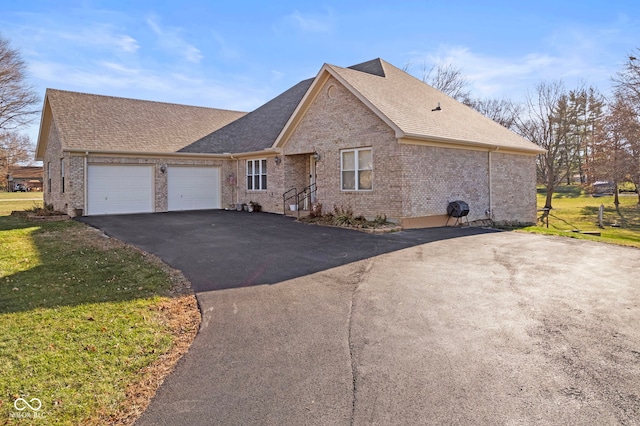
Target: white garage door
x=114 y=189
x=193 y=188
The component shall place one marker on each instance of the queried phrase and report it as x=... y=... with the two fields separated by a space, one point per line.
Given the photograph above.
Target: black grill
x=458 y=209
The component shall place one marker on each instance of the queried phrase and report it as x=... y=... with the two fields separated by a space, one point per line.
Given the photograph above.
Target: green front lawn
x=83 y=317
x=573 y=210
x=10 y=201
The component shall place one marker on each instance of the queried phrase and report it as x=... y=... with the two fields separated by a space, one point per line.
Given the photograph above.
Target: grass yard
x=573 y=210
x=10 y=201
x=89 y=325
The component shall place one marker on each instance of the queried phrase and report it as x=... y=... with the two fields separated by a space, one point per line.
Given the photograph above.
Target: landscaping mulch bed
x=41 y=215
x=357 y=224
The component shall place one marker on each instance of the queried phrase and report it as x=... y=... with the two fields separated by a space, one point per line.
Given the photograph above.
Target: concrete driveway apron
x=312 y=325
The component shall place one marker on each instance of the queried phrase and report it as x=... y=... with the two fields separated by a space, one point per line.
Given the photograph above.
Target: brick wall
x=335 y=121
x=452 y=174
x=410 y=181
x=434 y=176
x=514 y=188
x=271 y=198
x=75 y=183
x=53 y=157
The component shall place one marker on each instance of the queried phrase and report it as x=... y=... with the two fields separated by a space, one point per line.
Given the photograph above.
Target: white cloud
x=154 y=26
x=170 y=39
x=192 y=54
x=118 y=67
x=97 y=36
x=128 y=44
x=110 y=78
x=513 y=76
x=311 y=23
x=225 y=50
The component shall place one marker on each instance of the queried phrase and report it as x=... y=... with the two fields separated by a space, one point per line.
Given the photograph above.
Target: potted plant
x=254 y=206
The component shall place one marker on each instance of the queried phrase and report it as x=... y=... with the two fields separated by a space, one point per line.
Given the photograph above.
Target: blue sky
x=239 y=54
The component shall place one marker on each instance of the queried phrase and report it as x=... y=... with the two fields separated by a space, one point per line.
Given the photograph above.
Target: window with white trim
x=62 y=175
x=356 y=167
x=257 y=175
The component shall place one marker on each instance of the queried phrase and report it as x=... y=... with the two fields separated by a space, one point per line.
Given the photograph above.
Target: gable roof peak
x=407 y=105
x=373 y=67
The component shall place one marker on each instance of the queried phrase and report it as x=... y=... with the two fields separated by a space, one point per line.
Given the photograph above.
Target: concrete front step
x=299 y=213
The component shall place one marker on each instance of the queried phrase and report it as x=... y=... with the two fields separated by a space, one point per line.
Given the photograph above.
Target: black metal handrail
x=306 y=193
x=285 y=198
x=299 y=196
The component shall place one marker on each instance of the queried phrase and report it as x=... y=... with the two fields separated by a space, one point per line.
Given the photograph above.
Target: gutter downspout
x=237 y=176
x=491 y=184
x=85 y=178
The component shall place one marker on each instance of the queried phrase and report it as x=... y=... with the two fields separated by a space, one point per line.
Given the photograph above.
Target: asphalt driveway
x=219 y=249
x=448 y=326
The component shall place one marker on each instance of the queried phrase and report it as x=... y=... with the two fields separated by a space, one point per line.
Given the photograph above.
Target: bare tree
x=449 y=80
x=613 y=157
x=502 y=111
x=545 y=123
x=15 y=149
x=446 y=78
x=452 y=82
x=17 y=97
x=628 y=79
x=633 y=140
x=628 y=101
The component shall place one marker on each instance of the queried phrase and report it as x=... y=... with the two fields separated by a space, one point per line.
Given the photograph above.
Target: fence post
x=600 y=215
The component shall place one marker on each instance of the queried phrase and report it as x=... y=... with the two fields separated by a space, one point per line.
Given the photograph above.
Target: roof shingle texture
x=95 y=122
x=26 y=172
x=408 y=103
x=257 y=130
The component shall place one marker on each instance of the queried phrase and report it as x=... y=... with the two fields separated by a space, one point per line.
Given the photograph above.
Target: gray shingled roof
x=255 y=131
x=26 y=172
x=95 y=122
x=373 y=67
x=407 y=103
x=104 y=123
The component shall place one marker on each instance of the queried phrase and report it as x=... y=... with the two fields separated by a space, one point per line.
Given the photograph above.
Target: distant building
x=603 y=188
x=27 y=178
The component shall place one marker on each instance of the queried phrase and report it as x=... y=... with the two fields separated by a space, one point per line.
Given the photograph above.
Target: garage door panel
x=193 y=188
x=117 y=189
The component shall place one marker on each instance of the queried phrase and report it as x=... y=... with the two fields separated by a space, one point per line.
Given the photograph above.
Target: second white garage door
x=193 y=188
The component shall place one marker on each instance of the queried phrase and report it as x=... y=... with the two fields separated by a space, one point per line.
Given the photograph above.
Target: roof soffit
x=43 y=132
x=466 y=145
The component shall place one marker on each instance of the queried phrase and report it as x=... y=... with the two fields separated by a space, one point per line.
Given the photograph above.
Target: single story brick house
x=27 y=177
x=369 y=137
